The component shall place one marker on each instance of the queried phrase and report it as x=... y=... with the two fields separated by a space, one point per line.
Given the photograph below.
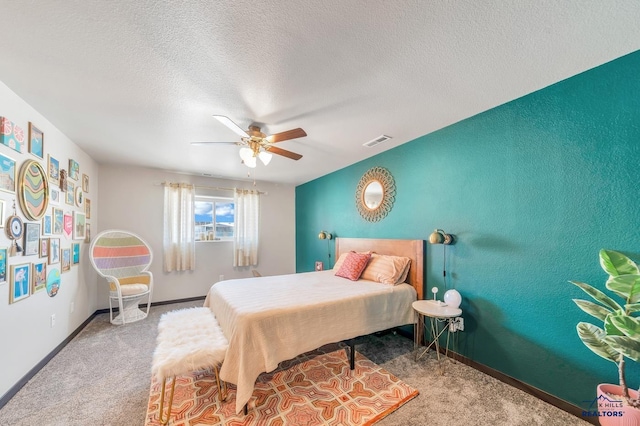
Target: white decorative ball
x=452 y=298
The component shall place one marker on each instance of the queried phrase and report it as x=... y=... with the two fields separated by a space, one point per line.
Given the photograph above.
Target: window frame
x=214 y=200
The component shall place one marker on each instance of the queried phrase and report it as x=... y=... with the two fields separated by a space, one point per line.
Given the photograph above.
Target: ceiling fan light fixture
x=265 y=157
x=255 y=144
x=246 y=153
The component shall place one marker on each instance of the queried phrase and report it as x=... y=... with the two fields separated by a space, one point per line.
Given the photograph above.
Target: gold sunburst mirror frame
x=375 y=194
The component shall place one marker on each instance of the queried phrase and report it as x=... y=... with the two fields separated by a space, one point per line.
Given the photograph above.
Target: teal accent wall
x=532 y=189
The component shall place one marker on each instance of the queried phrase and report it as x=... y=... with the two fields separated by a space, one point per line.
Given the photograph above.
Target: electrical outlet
x=221 y=277
x=456 y=324
x=72 y=307
x=53 y=320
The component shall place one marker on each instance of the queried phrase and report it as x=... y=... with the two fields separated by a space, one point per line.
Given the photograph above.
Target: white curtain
x=178 y=241
x=247 y=218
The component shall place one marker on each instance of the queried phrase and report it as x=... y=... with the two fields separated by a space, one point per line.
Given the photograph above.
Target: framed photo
x=79 y=223
x=44 y=247
x=47 y=225
x=87 y=233
x=39 y=277
x=63 y=180
x=11 y=135
x=58 y=221
x=85 y=182
x=75 y=253
x=79 y=197
x=7 y=174
x=74 y=169
x=20 y=279
x=31 y=238
x=53 y=281
x=3 y=265
x=66 y=260
x=1 y=213
x=34 y=190
x=36 y=141
x=87 y=207
x=53 y=166
x=70 y=193
x=319 y=266
x=54 y=195
x=67 y=227
x=54 y=251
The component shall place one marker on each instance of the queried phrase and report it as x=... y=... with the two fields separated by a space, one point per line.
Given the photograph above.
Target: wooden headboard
x=413 y=249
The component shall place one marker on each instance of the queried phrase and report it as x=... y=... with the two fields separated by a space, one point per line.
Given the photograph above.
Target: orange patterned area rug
x=315 y=388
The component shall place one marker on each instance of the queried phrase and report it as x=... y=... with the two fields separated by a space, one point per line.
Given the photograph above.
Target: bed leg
x=352 y=347
x=246 y=411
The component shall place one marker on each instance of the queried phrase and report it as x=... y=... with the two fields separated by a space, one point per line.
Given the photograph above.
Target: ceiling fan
x=256 y=144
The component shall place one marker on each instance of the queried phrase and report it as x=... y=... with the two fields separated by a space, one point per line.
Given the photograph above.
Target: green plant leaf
x=624 y=345
x=593 y=309
x=615 y=263
x=610 y=328
x=626 y=286
x=629 y=326
x=598 y=295
x=632 y=307
x=593 y=338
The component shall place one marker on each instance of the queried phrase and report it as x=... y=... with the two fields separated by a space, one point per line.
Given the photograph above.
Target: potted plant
x=619 y=337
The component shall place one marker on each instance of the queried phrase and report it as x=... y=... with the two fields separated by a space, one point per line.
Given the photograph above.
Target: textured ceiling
x=134 y=82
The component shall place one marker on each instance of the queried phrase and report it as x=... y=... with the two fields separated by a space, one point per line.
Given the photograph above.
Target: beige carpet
x=102 y=378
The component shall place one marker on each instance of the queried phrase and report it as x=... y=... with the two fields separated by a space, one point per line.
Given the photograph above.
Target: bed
x=268 y=320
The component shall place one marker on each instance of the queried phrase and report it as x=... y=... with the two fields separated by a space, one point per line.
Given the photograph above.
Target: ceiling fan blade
x=231 y=125
x=212 y=143
x=285 y=136
x=283 y=152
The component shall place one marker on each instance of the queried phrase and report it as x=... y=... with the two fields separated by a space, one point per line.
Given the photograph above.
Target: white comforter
x=271 y=319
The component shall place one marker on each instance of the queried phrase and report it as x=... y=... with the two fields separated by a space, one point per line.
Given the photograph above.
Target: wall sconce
x=440 y=237
x=324 y=235
x=451 y=297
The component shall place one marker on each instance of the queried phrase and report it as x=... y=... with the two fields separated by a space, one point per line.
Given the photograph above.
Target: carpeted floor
x=102 y=378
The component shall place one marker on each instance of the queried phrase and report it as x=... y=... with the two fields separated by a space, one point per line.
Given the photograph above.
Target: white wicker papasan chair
x=123 y=258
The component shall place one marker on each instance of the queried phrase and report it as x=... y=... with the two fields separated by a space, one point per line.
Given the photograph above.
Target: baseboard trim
x=164 y=302
x=23 y=381
x=531 y=390
x=39 y=366
x=171 y=302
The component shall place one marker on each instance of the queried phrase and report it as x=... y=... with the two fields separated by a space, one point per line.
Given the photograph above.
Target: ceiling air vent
x=376 y=141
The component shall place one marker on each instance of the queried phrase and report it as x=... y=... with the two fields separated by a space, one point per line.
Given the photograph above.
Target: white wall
x=25 y=330
x=132 y=199
x=128 y=199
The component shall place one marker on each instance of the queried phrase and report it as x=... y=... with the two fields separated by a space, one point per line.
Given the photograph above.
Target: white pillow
x=387 y=269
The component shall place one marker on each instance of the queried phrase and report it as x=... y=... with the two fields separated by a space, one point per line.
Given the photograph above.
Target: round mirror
x=375 y=194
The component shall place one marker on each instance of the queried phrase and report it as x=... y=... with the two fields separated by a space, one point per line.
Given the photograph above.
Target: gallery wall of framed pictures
x=44 y=209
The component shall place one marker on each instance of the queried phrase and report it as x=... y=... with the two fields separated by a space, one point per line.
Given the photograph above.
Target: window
x=214 y=219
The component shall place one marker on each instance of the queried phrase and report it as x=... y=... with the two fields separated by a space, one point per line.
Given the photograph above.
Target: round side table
x=438 y=313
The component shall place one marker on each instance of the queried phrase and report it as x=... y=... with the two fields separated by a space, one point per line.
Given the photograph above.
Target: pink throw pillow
x=353 y=265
